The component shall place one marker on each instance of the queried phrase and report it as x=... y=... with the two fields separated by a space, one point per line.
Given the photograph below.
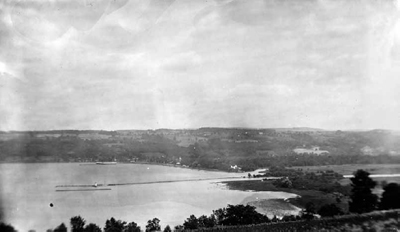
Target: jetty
x=69 y=190
x=95 y=186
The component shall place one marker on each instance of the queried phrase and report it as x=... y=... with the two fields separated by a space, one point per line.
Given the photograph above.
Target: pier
x=69 y=190
x=134 y=183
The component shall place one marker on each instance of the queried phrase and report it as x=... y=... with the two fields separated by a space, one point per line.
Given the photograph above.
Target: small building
x=235 y=167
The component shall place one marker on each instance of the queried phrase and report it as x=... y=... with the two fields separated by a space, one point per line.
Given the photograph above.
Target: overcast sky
x=332 y=64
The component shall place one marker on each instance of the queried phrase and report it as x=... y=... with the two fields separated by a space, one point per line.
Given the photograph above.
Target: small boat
x=106 y=163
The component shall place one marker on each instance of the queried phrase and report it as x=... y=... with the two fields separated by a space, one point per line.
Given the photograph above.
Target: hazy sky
x=111 y=64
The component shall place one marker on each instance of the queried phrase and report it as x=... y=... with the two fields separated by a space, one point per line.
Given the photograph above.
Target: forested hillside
x=231 y=149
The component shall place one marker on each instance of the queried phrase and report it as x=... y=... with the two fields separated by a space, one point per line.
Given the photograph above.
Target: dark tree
x=113 y=225
x=309 y=212
x=330 y=210
x=153 y=225
x=239 y=215
x=6 y=228
x=191 y=223
x=92 y=228
x=207 y=222
x=310 y=208
x=275 y=219
x=77 y=224
x=362 y=198
x=179 y=228
x=167 y=229
x=390 y=197
x=288 y=218
x=60 y=228
x=283 y=183
x=132 y=227
x=220 y=215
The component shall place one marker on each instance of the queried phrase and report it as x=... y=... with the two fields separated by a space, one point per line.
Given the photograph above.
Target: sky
x=131 y=64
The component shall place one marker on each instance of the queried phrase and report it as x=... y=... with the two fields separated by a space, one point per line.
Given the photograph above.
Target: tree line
x=219 y=150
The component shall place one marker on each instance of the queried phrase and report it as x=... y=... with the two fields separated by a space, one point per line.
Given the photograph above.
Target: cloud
x=9 y=72
x=181 y=62
x=49 y=20
x=138 y=64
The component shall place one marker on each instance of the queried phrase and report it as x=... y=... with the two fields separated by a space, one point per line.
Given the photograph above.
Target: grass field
x=317 y=197
x=348 y=169
x=320 y=198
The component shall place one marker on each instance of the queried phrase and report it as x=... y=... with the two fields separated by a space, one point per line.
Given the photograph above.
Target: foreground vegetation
x=375 y=221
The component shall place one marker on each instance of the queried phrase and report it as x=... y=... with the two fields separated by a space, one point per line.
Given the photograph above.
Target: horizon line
x=206 y=127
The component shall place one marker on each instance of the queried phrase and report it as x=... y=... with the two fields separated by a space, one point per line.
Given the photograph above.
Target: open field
x=348 y=169
x=378 y=189
x=317 y=197
x=371 y=168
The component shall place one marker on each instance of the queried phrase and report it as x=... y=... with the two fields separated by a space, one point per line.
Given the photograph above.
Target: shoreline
x=303 y=196
x=139 y=162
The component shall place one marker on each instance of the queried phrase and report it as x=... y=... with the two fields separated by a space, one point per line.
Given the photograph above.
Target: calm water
x=28 y=189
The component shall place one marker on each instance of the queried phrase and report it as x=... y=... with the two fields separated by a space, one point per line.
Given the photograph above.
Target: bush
x=330 y=210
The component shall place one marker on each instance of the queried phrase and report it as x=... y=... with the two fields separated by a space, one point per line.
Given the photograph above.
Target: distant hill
x=209 y=147
x=299 y=129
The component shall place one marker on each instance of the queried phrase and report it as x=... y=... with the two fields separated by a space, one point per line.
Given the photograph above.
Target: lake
x=27 y=190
